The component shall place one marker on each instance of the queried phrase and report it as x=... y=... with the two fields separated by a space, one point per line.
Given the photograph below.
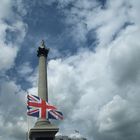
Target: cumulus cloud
x=11 y=115
x=119 y=118
x=12 y=32
x=124 y=56
x=98 y=91
x=107 y=20
x=100 y=88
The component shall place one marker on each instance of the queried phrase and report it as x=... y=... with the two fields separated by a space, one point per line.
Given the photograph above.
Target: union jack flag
x=38 y=107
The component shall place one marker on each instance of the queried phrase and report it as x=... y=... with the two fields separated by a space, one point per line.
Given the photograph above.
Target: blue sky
x=93 y=65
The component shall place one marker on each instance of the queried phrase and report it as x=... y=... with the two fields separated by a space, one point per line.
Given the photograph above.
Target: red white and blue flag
x=38 y=107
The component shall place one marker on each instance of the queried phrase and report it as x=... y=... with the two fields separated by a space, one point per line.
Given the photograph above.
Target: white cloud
x=12 y=32
x=108 y=22
x=5 y=8
x=100 y=88
x=112 y=114
x=10 y=23
x=83 y=86
x=124 y=56
x=7 y=56
x=120 y=117
x=12 y=110
x=98 y=92
x=25 y=69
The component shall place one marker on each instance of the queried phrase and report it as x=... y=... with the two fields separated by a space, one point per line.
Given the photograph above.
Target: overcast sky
x=93 y=65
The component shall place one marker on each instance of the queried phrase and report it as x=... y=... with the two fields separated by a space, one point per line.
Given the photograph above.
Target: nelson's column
x=43 y=129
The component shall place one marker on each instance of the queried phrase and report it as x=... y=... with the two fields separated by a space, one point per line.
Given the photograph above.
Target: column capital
x=42 y=50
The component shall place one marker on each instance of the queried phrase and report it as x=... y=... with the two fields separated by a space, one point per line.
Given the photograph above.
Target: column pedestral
x=43 y=129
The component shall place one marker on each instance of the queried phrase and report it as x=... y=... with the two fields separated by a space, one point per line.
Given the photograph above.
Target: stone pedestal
x=43 y=130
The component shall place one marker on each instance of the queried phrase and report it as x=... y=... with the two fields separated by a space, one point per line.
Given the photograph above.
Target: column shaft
x=42 y=83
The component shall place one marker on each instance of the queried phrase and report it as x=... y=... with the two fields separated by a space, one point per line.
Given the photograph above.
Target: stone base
x=43 y=130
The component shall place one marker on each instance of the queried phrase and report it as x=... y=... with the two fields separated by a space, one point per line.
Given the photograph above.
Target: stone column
x=42 y=82
x=43 y=129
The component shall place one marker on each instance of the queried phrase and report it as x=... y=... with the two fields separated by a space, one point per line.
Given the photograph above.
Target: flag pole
x=27 y=123
x=28 y=128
